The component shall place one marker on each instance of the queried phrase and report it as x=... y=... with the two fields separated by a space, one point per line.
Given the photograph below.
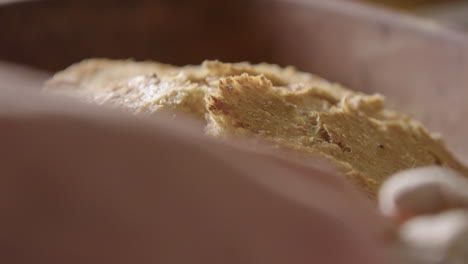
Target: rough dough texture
x=292 y=109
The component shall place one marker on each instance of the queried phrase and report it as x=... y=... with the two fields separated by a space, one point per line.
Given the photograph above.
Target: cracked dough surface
x=289 y=108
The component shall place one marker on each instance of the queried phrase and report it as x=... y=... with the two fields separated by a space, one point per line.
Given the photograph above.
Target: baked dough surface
x=294 y=110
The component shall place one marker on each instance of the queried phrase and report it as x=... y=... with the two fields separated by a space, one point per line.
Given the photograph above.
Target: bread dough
x=291 y=109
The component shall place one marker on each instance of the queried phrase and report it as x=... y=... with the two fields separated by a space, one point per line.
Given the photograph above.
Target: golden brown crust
x=294 y=110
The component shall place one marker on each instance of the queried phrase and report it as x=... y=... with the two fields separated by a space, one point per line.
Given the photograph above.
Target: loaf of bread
x=291 y=109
